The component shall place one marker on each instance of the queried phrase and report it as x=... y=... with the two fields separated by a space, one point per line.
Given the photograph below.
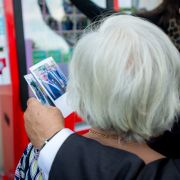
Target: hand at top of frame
x=41 y=122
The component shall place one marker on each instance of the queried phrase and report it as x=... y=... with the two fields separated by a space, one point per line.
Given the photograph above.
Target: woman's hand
x=41 y=122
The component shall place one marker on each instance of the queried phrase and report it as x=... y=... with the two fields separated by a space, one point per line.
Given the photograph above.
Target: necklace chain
x=108 y=136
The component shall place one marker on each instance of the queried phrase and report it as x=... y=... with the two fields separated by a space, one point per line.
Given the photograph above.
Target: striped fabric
x=27 y=167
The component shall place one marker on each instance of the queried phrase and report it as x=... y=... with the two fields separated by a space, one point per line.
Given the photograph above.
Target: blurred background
x=30 y=31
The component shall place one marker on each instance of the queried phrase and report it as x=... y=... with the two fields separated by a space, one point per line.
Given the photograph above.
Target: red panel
x=15 y=133
x=71 y=120
x=7 y=131
x=116 y=5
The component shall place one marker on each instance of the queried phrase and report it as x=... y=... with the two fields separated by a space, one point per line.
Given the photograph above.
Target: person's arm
x=45 y=128
x=49 y=151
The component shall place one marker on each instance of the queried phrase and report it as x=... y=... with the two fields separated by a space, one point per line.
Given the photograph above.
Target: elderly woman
x=124 y=81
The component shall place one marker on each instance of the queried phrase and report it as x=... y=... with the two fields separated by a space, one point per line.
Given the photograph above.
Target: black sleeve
x=168 y=143
x=164 y=169
x=81 y=158
x=91 y=10
x=85 y=159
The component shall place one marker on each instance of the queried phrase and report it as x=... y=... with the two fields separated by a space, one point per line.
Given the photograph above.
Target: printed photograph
x=37 y=90
x=50 y=77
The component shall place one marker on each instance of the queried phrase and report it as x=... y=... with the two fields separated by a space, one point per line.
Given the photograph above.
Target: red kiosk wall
x=14 y=138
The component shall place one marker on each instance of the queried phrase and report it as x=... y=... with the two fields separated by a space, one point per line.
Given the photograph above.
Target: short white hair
x=124 y=77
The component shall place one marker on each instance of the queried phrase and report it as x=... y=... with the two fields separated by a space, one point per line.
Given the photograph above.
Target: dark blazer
x=81 y=158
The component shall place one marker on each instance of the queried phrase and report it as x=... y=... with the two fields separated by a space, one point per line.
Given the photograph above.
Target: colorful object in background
x=67 y=56
x=58 y=56
x=116 y=5
x=1 y=49
x=38 y=55
x=27 y=167
x=2 y=64
x=67 y=23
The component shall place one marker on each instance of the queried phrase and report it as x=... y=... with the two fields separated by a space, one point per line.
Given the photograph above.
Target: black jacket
x=81 y=158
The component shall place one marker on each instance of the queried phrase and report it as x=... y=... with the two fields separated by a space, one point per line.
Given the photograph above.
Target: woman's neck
x=107 y=138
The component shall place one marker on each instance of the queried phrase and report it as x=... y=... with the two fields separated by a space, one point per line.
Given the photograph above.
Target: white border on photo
x=61 y=103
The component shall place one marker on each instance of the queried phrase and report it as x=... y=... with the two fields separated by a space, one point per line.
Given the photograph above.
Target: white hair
x=125 y=77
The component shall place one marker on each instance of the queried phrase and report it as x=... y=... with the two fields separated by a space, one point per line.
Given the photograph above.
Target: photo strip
x=53 y=82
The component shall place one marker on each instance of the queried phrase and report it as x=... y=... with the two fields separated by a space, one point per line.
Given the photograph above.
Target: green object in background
x=56 y=54
x=67 y=56
x=1 y=48
x=38 y=55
